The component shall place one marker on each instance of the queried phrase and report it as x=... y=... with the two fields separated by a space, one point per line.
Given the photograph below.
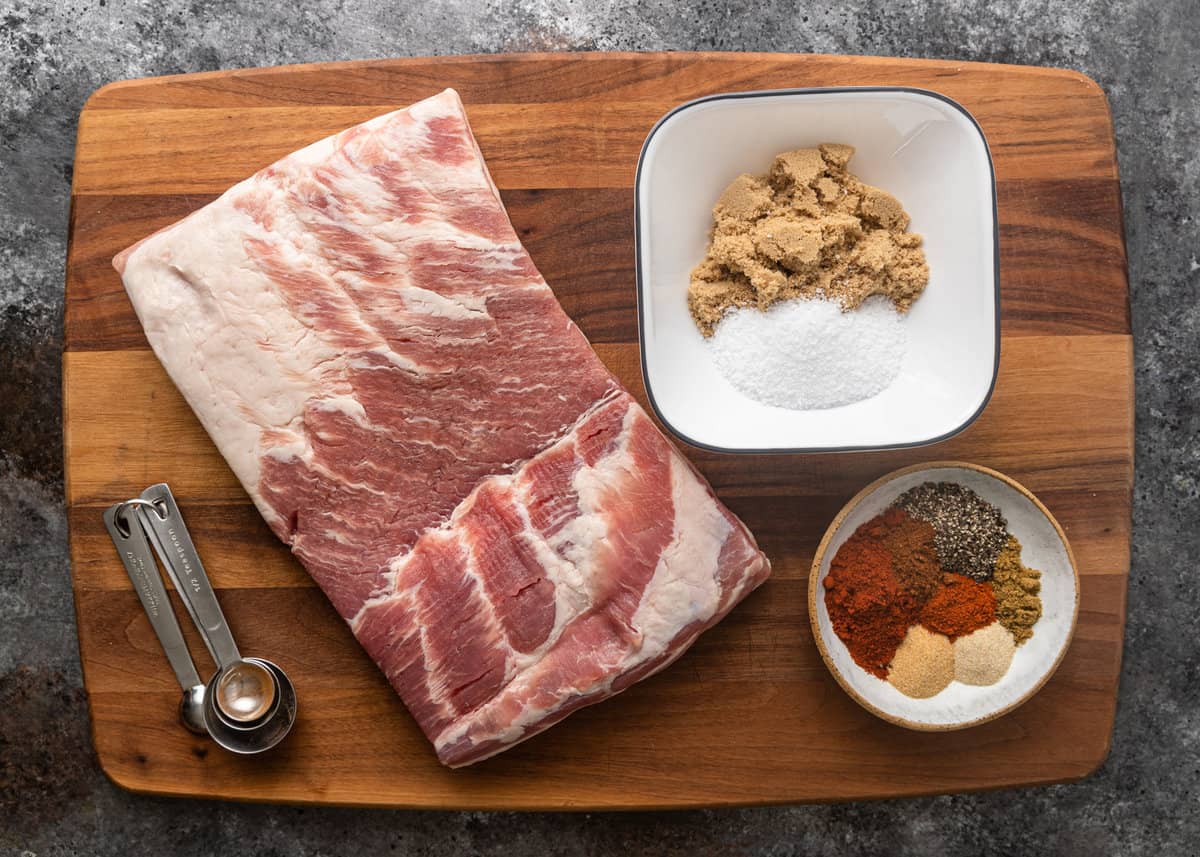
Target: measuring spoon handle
x=130 y=542
x=164 y=523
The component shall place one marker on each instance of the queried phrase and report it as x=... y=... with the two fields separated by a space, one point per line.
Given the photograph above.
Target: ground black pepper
x=968 y=531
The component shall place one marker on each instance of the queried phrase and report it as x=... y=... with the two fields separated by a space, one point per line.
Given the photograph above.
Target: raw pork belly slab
x=362 y=334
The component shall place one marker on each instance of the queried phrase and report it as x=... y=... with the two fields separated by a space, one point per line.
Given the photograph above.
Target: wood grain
x=561 y=134
x=126 y=150
x=128 y=442
x=1060 y=275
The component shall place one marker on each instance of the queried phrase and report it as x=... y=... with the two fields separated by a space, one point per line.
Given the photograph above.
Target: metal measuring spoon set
x=249 y=704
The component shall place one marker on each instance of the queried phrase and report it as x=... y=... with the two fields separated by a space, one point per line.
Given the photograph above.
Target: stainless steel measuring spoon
x=249 y=701
x=131 y=544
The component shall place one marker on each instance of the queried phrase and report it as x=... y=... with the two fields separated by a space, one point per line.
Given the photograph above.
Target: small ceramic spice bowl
x=1043 y=546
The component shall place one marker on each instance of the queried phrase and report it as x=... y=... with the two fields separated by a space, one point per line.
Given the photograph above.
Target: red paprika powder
x=869 y=608
x=961 y=606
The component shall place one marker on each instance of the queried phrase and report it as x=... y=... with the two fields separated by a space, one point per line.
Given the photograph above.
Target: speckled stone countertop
x=53 y=797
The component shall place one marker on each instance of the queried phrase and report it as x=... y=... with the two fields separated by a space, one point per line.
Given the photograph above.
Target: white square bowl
x=921 y=147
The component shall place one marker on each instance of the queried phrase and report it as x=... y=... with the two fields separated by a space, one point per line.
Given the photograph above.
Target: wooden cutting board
x=750 y=714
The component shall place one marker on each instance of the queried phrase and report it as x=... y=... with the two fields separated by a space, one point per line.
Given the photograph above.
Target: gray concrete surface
x=53 y=798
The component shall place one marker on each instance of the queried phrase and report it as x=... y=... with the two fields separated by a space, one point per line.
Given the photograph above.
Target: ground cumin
x=1018 y=605
x=808 y=228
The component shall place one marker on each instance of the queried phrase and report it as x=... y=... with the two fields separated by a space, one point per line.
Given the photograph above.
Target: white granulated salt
x=805 y=354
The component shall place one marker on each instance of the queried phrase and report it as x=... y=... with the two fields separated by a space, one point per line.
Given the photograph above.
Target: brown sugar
x=808 y=228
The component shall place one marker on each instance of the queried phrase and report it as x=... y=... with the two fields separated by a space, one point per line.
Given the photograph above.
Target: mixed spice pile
x=933 y=591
